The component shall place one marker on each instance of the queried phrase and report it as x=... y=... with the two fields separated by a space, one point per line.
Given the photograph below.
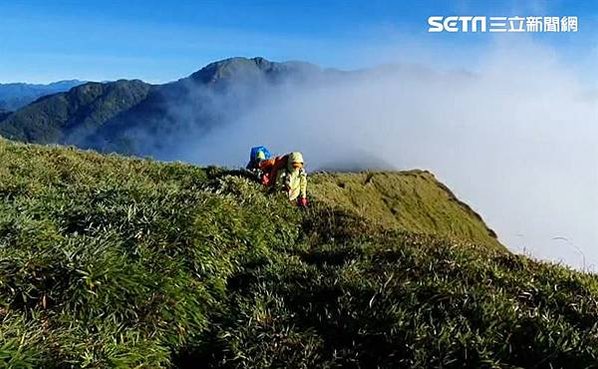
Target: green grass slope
x=413 y=201
x=111 y=262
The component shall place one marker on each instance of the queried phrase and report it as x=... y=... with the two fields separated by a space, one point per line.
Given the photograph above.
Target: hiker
x=256 y=155
x=286 y=171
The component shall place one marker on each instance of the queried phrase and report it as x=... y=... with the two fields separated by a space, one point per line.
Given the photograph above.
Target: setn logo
x=457 y=24
x=516 y=23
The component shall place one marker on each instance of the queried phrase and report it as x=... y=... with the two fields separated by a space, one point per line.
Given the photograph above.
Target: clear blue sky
x=159 y=41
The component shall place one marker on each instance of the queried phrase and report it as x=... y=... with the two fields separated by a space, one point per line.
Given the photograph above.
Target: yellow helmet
x=295 y=157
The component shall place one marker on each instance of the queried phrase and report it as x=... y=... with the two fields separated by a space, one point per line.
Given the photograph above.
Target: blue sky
x=158 y=41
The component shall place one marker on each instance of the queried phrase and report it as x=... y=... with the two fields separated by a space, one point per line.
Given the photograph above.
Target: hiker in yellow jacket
x=287 y=172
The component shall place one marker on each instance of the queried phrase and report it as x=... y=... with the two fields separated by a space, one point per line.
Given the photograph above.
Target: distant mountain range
x=16 y=95
x=134 y=117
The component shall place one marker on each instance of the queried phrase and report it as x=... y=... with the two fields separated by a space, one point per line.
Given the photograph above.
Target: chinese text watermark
x=502 y=24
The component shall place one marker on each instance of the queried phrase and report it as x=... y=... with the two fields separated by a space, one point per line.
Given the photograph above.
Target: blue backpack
x=258 y=153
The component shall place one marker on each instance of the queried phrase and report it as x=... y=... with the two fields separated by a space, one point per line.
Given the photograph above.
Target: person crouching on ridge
x=286 y=172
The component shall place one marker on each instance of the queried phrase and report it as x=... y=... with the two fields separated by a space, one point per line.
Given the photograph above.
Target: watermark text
x=502 y=24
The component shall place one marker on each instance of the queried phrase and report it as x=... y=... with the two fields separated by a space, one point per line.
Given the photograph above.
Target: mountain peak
x=110 y=116
x=249 y=68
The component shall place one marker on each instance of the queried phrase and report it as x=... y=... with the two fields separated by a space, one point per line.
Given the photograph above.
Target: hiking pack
x=259 y=153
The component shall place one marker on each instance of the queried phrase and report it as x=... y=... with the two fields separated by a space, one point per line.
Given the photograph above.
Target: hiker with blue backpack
x=285 y=172
x=256 y=155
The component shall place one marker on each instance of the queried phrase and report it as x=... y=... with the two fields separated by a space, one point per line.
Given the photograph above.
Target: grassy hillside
x=413 y=201
x=113 y=262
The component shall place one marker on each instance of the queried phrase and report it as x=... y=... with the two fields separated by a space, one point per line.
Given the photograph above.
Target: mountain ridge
x=18 y=94
x=142 y=123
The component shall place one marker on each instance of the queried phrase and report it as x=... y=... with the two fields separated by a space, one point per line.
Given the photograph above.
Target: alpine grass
x=113 y=262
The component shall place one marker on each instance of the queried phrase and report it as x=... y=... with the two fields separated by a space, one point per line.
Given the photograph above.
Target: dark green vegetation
x=16 y=95
x=58 y=117
x=113 y=262
x=133 y=117
x=4 y=114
